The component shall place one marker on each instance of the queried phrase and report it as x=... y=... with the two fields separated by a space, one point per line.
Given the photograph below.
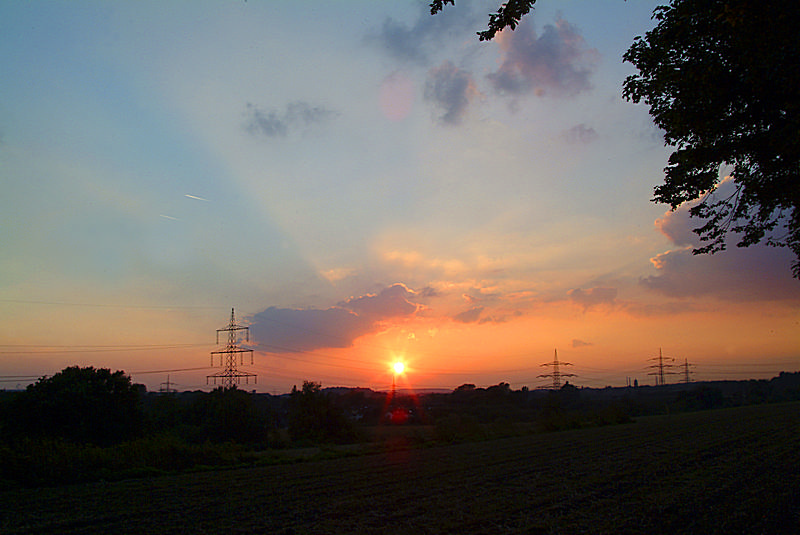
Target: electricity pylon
x=659 y=373
x=165 y=387
x=230 y=376
x=686 y=371
x=557 y=375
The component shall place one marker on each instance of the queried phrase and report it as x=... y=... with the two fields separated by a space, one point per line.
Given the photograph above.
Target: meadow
x=734 y=470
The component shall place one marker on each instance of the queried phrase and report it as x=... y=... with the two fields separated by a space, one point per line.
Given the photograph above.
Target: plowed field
x=727 y=471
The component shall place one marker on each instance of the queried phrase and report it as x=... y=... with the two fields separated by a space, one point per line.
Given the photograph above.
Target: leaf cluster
x=508 y=15
x=721 y=80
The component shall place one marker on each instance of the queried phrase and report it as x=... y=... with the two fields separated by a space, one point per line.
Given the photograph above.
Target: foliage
x=78 y=404
x=226 y=415
x=721 y=80
x=227 y=427
x=313 y=416
x=508 y=15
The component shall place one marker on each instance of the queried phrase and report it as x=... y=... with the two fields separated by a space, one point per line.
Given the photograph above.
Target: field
x=724 y=471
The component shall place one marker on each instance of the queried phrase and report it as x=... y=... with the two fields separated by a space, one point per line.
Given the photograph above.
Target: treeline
x=86 y=424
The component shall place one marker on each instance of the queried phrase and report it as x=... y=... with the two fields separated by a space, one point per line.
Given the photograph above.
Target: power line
x=106 y=305
x=95 y=349
x=173 y=370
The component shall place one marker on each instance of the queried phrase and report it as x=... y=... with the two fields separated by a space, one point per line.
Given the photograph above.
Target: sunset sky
x=363 y=183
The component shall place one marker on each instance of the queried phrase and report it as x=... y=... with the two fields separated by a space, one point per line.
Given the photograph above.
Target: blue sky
x=363 y=182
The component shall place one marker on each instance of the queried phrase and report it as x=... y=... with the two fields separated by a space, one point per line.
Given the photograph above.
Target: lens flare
x=398 y=367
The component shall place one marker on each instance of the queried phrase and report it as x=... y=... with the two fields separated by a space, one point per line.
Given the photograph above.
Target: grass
x=725 y=471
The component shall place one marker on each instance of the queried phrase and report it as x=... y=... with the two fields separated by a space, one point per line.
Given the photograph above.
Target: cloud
x=271 y=123
x=758 y=272
x=451 y=90
x=283 y=330
x=755 y=273
x=593 y=296
x=580 y=343
x=556 y=63
x=389 y=303
x=469 y=316
x=414 y=43
x=579 y=134
x=677 y=226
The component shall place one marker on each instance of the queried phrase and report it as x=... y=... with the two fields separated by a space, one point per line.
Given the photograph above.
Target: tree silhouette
x=81 y=405
x=229 y=415
x=314 y=416
x=721 y=80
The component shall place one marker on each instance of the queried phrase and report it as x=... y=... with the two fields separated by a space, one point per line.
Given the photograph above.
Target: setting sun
x=398 y=367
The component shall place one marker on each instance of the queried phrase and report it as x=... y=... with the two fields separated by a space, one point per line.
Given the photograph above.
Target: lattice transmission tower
x=557 y=374
x=687 y=378
x=230 y=376
x=167 y=388
x=660 y=366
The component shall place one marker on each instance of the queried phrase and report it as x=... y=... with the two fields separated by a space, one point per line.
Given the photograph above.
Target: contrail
x=168 y=217
x=196 y=197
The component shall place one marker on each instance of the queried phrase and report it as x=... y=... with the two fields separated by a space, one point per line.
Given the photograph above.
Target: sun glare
x=398 y=367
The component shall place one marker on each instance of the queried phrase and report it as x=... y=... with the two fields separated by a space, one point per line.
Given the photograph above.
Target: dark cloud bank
x=282 y=330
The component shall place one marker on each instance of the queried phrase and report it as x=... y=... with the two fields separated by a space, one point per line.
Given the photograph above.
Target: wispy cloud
x=195 y=197
x=280 y=123
x=415 y=42
x=451 y=90
x=592 y=297
x=469 y=316
x=557 y=63
x=579 y=134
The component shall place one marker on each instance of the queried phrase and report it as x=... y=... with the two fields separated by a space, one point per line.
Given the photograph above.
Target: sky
x=362 y=183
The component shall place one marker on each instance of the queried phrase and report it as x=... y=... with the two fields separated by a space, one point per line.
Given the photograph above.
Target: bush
x=314 y=417
x=83 y=405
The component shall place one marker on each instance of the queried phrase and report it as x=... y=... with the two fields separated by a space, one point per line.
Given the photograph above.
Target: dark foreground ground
x=727 y=471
